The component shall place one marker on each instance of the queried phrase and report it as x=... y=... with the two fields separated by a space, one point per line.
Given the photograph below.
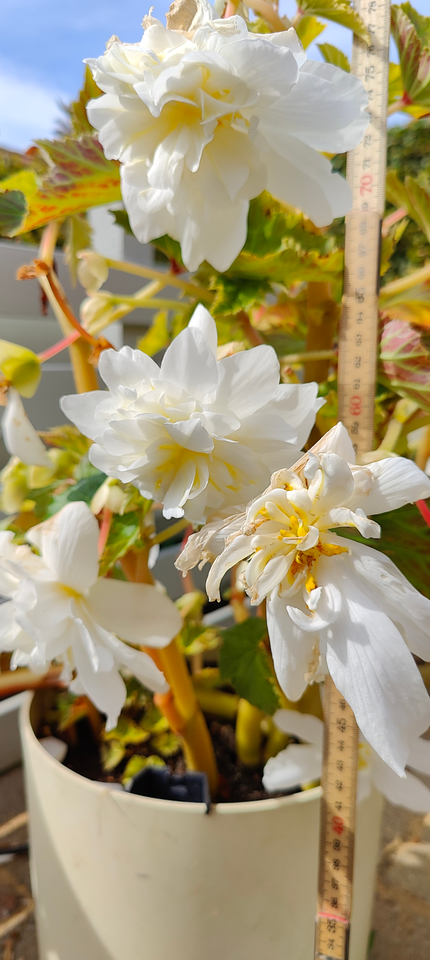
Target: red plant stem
x=424 y=511
x=58 y=347
x=104 y=529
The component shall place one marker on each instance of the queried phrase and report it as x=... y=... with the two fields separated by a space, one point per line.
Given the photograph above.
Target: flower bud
x=93 y=270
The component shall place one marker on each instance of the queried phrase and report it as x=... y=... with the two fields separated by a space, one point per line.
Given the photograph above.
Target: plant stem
x=248 y=734
x=405 y=283
x=217 y=702
x=276 y=741
x=184 y=712
x=167 y=279
x=253 y=335
x=322 y=316
x=307 y=355
x=58 y=347
x=171 y=531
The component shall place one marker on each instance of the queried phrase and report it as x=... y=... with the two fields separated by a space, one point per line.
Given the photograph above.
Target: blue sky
x=43 y=43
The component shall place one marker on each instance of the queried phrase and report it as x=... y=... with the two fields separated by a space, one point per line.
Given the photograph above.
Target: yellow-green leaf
x=157 y=336
x=340 y=11
x=335 y=56
x=419 y=200
x=79 y=177
x=308 y=29
x=138 y=763
x=414 y=58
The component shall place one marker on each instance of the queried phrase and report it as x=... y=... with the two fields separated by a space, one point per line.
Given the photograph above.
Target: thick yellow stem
x=180 y=705
x=248 y=734
x=423 y=452
x=322 y=315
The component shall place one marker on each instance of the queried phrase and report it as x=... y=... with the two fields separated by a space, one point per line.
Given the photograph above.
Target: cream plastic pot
x=121 y=877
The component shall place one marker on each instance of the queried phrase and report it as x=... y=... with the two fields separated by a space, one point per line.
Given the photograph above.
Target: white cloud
x=28 y=110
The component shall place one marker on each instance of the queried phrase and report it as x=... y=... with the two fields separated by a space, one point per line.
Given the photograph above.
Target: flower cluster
x=204 y=120
x=59 y=608
x=333 y=605
x=194 y=433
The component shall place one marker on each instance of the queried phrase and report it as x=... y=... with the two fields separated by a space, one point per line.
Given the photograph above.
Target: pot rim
x=247 y=806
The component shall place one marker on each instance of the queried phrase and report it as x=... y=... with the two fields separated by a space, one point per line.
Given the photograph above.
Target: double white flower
x=195 y=433
x=300 y=763
x=334 y=605
x=204 y=121
x=60 y=609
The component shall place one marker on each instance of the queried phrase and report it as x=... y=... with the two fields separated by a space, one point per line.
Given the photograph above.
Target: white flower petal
x=68 y=542
x=396 y=481
x=202 y=320
x=237 y=550
x=19 y=435
x=106 y=689
x=82 y=409
x=126 y=367
x=297 y=764
x=291 y=648
x=136 y=612
x=406 y=791
x=371 y=666
x=302 y=725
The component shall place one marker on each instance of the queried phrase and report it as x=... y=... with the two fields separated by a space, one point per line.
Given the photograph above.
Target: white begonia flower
x=334 y=605
x=92 y=271
x=204 y=121
x=300 y=763
x=20 y=437
x=59 y=608
x=195 y=433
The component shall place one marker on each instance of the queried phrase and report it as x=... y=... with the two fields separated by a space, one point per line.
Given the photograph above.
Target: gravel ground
x=401 y=921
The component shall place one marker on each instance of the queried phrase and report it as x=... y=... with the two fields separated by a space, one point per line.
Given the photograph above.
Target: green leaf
x=172 y=250
x=232 y=295
x=389 y=243
x=412 y=197
x=335 y=56
x=405 y=539
x=111 y=755
x=77 y=110
x=419 y=199
x=124 y=532
x=421 y=24
x=154 y=721
x=79 y=176
x=244 y=662
x=157 y=336
x=137 y=763
x=308 y=29
x=340 y=11
x=83 y=490
x=167 y=744
x=406 y=362
x=13 y=211
x=414 y=58
x=127 y=733
x=196 y=638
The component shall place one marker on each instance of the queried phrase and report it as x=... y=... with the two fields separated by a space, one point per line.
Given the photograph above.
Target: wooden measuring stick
x=366 y=169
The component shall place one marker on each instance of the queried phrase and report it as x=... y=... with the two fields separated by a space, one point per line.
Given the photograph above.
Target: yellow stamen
x=310 y=583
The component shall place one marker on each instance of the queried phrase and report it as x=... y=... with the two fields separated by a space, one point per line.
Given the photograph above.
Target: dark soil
x=237 y=782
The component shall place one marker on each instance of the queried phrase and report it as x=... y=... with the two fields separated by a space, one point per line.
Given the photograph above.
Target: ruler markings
x=358 y=337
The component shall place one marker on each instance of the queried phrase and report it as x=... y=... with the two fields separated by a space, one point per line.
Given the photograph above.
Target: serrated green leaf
x=335 y=56
x=124 y=532
x=421 y=24
x=244 y=663
x=77 y=110
x=389 y=243
x=13 y=211
x=167 y=744
x=138 y=763
x=79 y=176
x=308 y=29
x=405 y=539
x=111 y=755
x=414 y=58
x=154 y=721
x=157 y=336
x=405 y=362
x=339 y=11
x=172 y=250
x=126 y=732
x=419 y=200
x=196 y=638
x=234 y=294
